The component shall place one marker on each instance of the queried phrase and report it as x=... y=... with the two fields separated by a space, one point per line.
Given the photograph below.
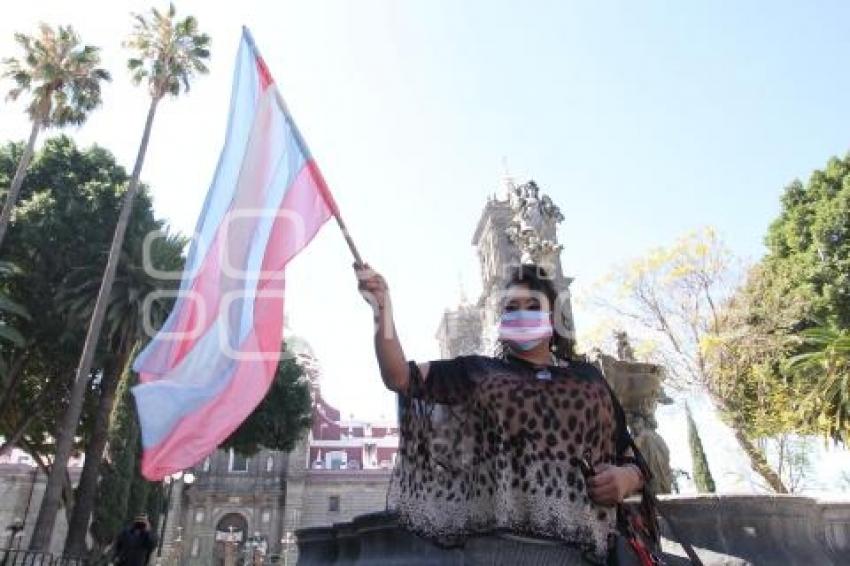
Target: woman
x=524 y=444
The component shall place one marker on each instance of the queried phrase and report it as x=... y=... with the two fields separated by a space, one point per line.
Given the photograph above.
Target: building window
x=336 y=460
x=238 y=462
x=207 y=464
x=196 y=547
x=371 y=460
x=333 y=504
x=199 y=516
x=267 y=516
x=269 y=464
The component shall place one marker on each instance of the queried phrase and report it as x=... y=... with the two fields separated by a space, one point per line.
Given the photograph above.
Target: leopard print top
x=487 y=445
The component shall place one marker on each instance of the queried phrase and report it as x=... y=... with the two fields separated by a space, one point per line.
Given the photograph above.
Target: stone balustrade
x=725 y=529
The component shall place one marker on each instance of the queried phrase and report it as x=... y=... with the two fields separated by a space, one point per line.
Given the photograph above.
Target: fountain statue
x=638 y=386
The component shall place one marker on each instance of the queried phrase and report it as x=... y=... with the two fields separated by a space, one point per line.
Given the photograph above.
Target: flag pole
x=323 y=189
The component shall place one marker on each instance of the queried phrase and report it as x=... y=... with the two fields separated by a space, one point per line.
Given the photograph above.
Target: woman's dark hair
x=537 y=279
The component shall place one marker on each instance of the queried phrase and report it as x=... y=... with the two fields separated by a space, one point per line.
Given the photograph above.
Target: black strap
x=625 y=440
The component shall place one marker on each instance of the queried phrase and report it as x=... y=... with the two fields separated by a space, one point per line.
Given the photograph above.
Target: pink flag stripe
x=199 y=432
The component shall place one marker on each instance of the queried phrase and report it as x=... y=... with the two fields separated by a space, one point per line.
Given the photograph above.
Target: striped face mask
x=525 y=329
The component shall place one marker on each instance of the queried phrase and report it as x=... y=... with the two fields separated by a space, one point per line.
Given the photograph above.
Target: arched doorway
x=231 y=532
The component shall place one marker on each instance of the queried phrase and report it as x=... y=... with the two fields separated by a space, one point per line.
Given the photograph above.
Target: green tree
x=119 y=468
x=809 y=246
x=809 y=262
x=64 y=80
x=702 y=474
x=69 y=203
x=130 y=305
x=745 y=358
x=826 y=366
x=68 y=206
x=9 y=312
x=804 y=278
x=123 y=492
x=168 y=53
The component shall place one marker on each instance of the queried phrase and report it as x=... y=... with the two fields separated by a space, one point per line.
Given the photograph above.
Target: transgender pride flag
x=216 y=356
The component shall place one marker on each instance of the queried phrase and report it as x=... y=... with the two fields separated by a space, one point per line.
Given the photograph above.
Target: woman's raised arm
x=391 y=361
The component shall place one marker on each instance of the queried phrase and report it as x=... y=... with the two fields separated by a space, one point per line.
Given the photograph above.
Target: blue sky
x=641 y=121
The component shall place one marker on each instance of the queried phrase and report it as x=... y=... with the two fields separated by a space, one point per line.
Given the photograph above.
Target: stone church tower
x=520 y=226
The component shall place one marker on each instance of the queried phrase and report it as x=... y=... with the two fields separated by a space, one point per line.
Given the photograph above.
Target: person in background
x=135 y=544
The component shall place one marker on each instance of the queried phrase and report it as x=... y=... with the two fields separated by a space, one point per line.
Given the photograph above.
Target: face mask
x=525 y=329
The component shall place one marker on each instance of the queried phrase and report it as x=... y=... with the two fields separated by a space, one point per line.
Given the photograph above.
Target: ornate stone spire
x=533 y=224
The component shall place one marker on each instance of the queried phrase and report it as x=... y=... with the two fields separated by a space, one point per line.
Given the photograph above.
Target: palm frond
x=7 y=305
x=168 y=52
x=60 y=73
x=9 y=334
x=827 y=361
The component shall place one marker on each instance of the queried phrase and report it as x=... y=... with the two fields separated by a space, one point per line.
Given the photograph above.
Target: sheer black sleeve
x=449 y=382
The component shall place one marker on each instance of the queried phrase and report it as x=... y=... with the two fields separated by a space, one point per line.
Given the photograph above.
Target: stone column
x=175 y=520
x=296 y=477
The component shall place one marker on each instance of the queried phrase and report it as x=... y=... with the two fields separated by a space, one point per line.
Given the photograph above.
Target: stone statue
x=551 y=212
x=532 y=215
x=638 y=388
x=532 y=225
x=654 y=451
x=624 y=348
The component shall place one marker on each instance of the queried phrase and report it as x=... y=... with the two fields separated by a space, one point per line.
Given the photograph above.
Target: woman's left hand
x=612 y=484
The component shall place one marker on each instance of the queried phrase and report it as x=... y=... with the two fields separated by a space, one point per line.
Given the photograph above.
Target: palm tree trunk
x=18 y=180
x=67 y=490
x=15 y=436
x=758 y=462
x=65 y=439
x=75 y=543
x=33 y=413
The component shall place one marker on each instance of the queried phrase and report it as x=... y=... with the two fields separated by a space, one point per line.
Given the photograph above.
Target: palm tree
x=827 y=363
x=63 y=78
x=168 y=53
x=123 y=332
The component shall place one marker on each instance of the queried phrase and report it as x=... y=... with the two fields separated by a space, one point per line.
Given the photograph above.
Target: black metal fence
x=17 y=557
